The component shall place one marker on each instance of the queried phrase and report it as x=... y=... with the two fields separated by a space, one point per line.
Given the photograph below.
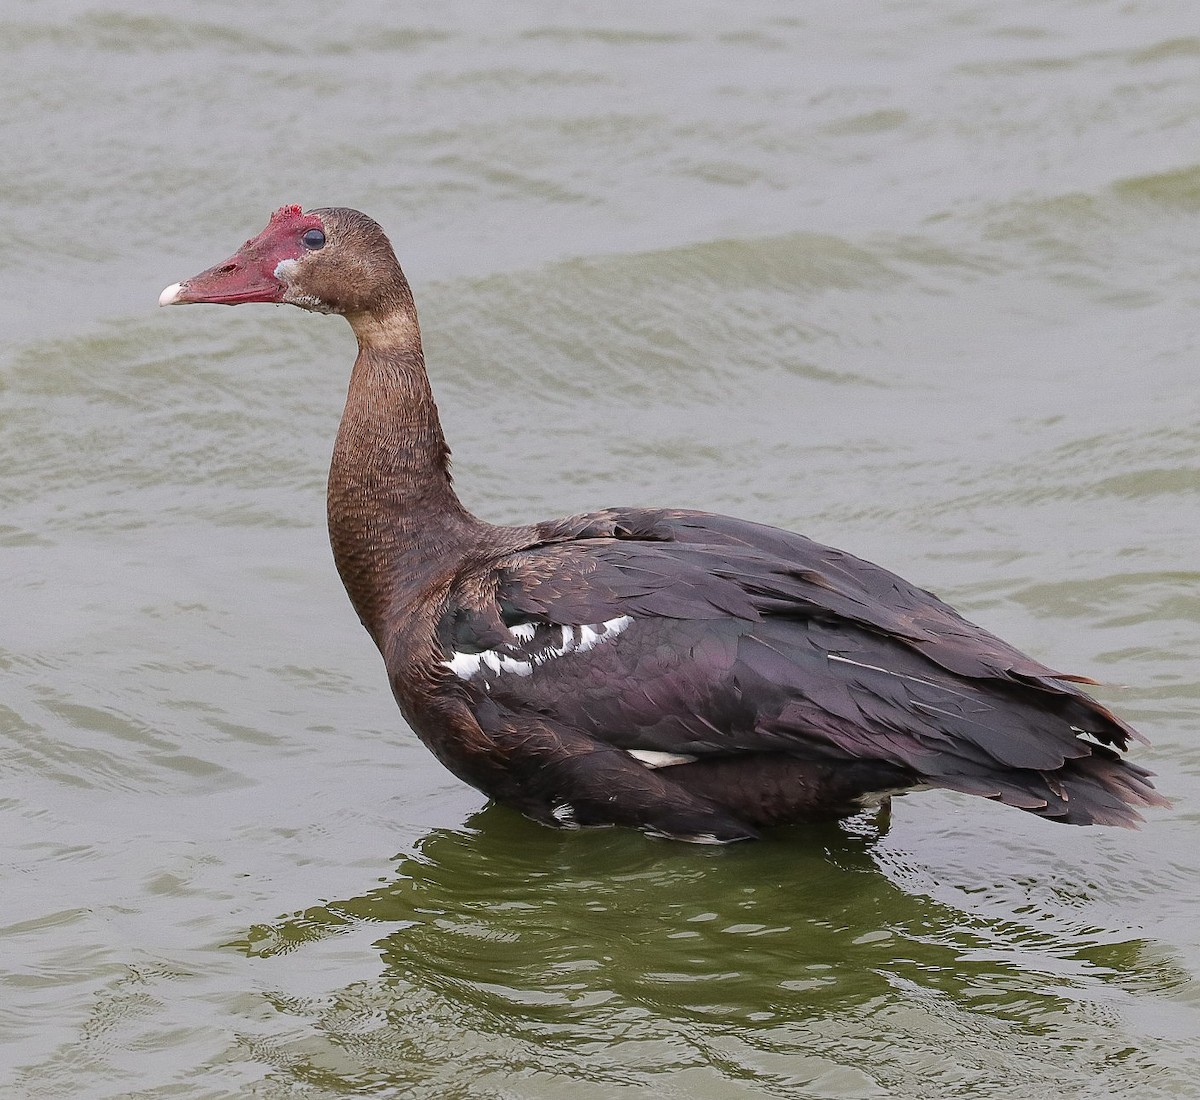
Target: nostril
x=225 y=269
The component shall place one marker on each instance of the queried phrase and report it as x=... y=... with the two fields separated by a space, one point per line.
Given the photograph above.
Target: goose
x=690 y=675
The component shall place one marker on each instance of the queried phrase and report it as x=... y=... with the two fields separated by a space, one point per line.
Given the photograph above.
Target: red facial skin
x=249 y=274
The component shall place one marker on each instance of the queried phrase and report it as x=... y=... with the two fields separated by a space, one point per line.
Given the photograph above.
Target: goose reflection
x=504 y=916
x=513 y=952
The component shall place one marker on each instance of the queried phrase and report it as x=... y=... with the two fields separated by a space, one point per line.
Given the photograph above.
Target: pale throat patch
x=285 y=272
x=517 y=659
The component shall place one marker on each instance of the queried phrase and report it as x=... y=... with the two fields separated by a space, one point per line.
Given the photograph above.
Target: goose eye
x=313 y=239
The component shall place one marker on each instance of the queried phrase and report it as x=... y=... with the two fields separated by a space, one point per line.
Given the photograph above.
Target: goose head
x=328 y=260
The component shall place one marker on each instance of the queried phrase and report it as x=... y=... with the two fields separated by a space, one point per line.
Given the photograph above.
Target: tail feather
x=1100 y=789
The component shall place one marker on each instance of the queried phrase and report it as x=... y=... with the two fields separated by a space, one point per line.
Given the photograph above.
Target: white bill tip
x=171 y=295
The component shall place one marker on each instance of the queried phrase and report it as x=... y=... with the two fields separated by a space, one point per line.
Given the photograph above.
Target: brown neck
x=395 y=522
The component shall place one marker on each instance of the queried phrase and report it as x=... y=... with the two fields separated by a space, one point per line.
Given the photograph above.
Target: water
x=920 y=280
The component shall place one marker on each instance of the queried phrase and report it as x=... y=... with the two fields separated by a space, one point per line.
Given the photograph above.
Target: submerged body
x=691 y=675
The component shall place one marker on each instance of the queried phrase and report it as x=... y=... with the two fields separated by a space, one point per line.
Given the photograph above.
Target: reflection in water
x=798 y=961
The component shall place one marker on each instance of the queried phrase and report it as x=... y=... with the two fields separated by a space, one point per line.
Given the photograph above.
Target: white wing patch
x=468 y=665
x=523 y=632
x=520 y=656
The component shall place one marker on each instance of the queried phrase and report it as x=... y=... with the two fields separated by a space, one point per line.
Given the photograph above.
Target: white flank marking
x=467 y=666
x=654 y=759
x=170 y=296
x=564 y=814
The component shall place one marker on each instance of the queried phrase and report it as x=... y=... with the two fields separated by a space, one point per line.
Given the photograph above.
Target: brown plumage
x=690 y=675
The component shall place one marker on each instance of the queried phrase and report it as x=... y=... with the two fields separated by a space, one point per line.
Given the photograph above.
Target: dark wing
x=712 y=638
x=802 y=574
